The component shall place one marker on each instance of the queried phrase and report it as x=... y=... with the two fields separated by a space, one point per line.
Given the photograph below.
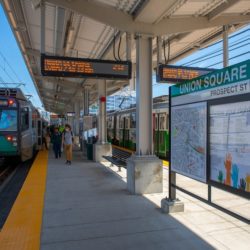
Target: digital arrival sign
x=84 y=67
x=179 y=74
x=210 y=128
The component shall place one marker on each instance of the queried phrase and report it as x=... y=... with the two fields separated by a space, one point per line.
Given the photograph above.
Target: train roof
x=13 y=93
x=160 y=102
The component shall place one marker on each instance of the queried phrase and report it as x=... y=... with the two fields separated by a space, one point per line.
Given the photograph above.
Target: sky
x=211 y=57
x=13 y=68
x=12 y=65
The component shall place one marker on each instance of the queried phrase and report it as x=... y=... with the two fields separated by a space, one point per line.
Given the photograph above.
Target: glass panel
x=133 y=120
x=25 y=119
x=8 y=120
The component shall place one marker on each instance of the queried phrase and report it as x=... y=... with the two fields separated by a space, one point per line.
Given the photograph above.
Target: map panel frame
x=192 y=149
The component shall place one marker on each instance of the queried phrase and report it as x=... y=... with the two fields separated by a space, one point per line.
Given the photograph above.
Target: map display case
x=210 y=129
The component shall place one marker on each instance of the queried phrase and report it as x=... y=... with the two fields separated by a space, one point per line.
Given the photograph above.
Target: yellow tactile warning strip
x=22 y=228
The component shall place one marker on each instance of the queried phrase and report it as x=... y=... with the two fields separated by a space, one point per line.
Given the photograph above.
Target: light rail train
x=20 y=125
x=121 y=127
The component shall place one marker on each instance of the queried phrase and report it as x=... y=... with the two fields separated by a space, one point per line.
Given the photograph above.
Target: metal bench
x=119 y=157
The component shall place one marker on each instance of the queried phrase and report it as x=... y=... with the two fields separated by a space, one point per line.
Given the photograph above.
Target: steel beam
x=125 y=22
x=226 y=5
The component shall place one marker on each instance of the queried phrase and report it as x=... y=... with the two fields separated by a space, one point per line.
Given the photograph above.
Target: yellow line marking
x=165 y=163
x=22 y=228
x=124 y=149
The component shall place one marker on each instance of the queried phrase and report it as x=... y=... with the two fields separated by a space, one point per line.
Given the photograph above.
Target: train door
x=126 y=131
x=132 y=131
x=39 y=133
x=121 y=130
x=156 y=132
x=163 y=140
x=26 y=134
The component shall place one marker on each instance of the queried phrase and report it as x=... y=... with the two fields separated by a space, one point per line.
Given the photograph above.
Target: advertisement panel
x=188 y=140
x=230 y=144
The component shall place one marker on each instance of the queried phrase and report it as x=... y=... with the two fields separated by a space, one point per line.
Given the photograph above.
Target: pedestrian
x=57 y=142
x=67 y=141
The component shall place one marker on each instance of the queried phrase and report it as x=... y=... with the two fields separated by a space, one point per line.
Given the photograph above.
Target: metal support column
x=225 y=46
x=159 y=50
x=144 y=170
x=144 y=133
x=102 y=134
x=77 y=117
x=102 y=147
x=86 y=100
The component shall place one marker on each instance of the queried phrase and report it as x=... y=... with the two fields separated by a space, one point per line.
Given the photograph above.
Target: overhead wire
x=206 y=56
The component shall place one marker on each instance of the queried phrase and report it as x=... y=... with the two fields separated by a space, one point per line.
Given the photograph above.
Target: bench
x=119 y=157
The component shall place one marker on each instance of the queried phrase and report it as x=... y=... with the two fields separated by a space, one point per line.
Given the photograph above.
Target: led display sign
x=83 y=67
x=178 y=74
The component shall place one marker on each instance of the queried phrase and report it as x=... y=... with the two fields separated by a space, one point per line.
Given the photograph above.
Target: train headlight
x=9 y=138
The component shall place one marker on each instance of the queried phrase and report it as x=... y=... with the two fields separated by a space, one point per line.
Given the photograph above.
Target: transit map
x=188 y=140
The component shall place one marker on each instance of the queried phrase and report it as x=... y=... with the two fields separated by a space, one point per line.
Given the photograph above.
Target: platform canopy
x=82 y=28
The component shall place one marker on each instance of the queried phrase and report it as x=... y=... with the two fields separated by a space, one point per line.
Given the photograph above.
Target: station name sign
x=84 y=67
x=179 y=74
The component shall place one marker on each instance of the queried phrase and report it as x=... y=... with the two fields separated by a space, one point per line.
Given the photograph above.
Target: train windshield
x=8 y=120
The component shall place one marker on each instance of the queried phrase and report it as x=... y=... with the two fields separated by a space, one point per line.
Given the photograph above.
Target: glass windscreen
x=8 y=120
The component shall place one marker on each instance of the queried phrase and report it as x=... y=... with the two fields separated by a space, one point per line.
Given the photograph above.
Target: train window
x=156 y=122
x=24 y=119
x=127 y=121
x=162 y=122
x=8 y=120
x=120 y=122
x=133 y=120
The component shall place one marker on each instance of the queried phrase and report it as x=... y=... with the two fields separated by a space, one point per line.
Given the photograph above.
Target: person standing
x=67 y=141
x=57 y=142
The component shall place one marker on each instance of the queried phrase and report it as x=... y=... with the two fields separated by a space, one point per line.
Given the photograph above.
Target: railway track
x=12 y=177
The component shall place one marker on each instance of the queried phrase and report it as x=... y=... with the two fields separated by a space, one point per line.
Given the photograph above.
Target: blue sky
x=239 y=50
x=10 y=51
x=13 y=68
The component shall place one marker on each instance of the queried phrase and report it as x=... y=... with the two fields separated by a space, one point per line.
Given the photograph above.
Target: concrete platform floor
x=88 y=207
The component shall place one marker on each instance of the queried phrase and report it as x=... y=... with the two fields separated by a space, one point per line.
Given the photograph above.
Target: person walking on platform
x=68 y=143
x=57 y=142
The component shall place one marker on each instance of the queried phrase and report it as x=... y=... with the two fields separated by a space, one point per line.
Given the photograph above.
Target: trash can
x=90 y=151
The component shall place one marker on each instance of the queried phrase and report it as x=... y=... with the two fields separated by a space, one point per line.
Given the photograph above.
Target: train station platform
x=87 y=206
